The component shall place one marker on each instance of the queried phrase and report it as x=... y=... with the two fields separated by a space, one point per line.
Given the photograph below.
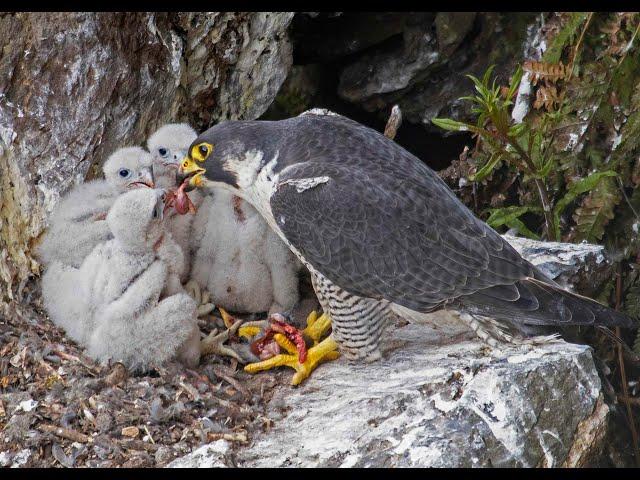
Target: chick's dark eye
x=203 y=150
x=124 y=172
x=155 y=213
x=162 y=152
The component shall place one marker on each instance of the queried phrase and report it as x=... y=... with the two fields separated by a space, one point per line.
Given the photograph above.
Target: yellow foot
x=317 y=327
x=322 y=351
x=249 y=330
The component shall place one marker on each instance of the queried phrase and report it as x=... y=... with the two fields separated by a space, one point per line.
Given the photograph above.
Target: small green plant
x=570 y=170
x=524 y=147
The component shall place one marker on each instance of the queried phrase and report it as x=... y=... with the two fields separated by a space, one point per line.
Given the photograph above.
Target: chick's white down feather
x=78 y=224
x=239 y=259
x=168 y=146
x=113 y=304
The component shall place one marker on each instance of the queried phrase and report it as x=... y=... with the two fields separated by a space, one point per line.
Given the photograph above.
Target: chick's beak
x=148 y=178
x=175 y=159
x=145 y=179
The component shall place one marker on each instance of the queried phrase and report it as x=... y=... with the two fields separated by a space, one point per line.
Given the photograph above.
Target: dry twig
x=623 y=375
x=575 y=50
x=73 y=358
x=632 y=400
x=234 y=383
x=67 y=433
x=394 y=122
x=231 y=437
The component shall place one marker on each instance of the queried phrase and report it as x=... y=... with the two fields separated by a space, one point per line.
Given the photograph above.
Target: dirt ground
x=60 y=408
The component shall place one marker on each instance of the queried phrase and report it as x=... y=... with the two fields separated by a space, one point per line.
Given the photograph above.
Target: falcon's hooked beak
x=190 y=169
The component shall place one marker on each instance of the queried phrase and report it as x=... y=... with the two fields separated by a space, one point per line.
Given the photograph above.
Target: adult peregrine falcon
x=380 y=232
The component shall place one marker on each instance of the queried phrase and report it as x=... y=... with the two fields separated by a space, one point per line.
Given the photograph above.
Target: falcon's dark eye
x=124 y=172
x=155 y=213
x=162 y=151
x=200 y=152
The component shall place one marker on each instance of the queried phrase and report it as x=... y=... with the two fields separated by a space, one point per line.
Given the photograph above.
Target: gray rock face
x=561 y=261
x=424 y=71
x=235 y=63
x=389 y=71
x=580 y=267
x=452 y=28
x=74 y=87
x=441 y=398
x=428 y=404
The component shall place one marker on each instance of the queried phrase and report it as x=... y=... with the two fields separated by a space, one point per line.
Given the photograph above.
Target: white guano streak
x=303 y=184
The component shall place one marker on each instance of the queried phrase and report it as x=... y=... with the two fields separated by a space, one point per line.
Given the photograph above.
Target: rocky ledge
x=441 y=398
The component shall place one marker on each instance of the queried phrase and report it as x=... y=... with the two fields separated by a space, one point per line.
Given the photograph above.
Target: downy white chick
x=168 y=146
x=239 y=259
x=67 y=293
x=133 y=323
x=77 y=223
x=131 y=272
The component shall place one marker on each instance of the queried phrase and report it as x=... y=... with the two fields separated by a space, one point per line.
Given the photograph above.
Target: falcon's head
x=229 y=155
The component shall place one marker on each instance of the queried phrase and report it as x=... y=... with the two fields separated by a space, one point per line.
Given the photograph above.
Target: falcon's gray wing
x=382 y=235
x=383 y=225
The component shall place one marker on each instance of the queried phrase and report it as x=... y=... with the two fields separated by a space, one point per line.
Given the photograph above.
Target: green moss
x=292 y=102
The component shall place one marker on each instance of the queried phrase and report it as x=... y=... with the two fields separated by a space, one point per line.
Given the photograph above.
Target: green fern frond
x=565 y=37
x=595 y=212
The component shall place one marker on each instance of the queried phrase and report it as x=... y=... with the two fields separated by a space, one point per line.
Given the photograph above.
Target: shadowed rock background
x=74 y=87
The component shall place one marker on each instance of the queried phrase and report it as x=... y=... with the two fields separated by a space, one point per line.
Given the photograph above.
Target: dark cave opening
x=322 y=47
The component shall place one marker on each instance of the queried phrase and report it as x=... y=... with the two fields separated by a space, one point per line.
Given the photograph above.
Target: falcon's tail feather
x=534 y=302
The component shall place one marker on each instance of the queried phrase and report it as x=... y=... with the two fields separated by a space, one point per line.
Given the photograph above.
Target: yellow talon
x=311 y=318
x=322 y=351
x=226 y=318
x=285 y=343
x=249 y=332
x=317 y=326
